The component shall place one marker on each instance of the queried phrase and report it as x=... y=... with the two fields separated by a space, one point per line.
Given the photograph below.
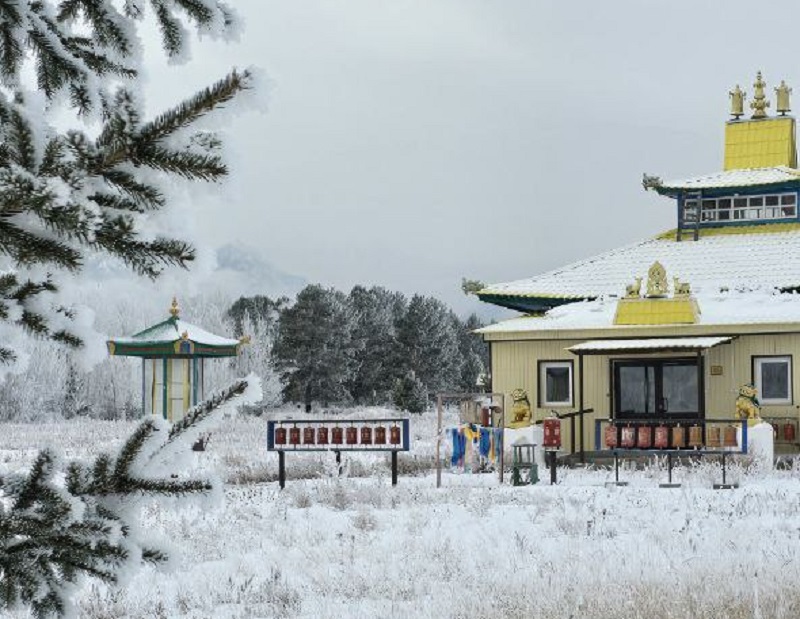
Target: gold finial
x=245 y=339
x=759 y=104
x=783 y=92
x=185 y=335
x=737 y=96
x=657 y=281
x=174 y=309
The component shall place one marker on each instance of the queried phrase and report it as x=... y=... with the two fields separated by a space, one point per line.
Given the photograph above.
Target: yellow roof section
x=760 y=143
x=681 y=310
x=669 y=235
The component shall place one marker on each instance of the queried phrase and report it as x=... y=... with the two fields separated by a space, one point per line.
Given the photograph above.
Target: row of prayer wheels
x=786 y=432
x=666 y=437
x=337 y=436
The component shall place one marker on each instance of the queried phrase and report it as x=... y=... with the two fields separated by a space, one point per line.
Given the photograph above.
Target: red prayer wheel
x=628 y=438
x=730 y=437
x=611 y=436
x=294 y=436
x=380 y=435
x=485 y=416
x=337 y=436
x=695 y=437
x=394 y=435
x=552 y=433
x=788 y=432
x=280 y=436
x=351 y=435
x=713 y=437
x=366 y=435
x=662 y=437
x=644 y=437
x=308 y=436
x=322 y=436
x=678 y=437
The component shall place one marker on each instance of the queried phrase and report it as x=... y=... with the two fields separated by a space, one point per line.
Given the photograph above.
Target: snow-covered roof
x=728 y=308
x=671 y=343
x=752 y=177
x=761 y=257
x=166 y=338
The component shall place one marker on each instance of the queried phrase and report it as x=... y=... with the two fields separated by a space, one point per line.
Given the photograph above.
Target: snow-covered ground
x=357 y=547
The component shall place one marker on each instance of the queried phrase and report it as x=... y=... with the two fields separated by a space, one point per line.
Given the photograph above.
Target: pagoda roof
x=174 y=337
x=765 y=257
x=731 y=179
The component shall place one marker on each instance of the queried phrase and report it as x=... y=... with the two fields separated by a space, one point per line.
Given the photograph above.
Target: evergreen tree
x=377 y=313
x=53 y=534
x=429 y=343
x=473 y=352
x=314 y=349
x=409 y=394
x=65 y=195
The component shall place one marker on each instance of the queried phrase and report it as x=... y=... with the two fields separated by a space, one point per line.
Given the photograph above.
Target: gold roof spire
x=759 y=104
x=174 y=309
x=783 y=92
x=737 y=96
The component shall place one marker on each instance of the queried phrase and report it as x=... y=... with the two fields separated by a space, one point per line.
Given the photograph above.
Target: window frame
x=542 y=366
x=756 y=361
x=658 y=364
x=750 y=208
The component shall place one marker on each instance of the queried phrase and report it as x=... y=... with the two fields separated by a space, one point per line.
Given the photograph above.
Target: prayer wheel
x=628 y=439
x=662 y=437
x=730 y=437
x=485 y=416
x=337 y=436
x=788 y=432
x=644 y=437
x=552 y=433
x=611 y=436
x=322 y=436
x=678 y=437
x=695 y=437
x=714 y=437
x=308 y=436
x=366 y=435
x=294 y=436
x=280 y=436
x=351 y=435
x=394 y=435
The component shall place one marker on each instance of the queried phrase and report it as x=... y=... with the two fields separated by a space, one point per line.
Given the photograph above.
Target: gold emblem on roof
x=185 y=335
x=657 y=280
x=759 y=104
x=737 y=96
x=174 y=309
x=783 y=105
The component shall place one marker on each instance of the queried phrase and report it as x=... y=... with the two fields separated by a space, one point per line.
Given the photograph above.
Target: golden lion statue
x=521 y=415
x=747 y=405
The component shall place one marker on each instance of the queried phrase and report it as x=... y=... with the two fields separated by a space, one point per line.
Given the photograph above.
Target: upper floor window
x=746 y=208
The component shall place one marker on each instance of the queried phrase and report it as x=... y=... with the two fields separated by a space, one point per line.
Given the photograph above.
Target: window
x=773 y=379
x=555 y=383
x=750 y=208
x=656 y=387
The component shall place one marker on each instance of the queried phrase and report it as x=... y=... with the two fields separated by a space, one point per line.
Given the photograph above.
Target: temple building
x=670 y=328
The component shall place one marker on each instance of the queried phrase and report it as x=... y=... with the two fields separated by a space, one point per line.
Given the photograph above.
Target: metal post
x=580 y=371
x=669 y=467
x=339 y=462
x=616 y=467
x=394 y=468
x=552 y=467
x=502 y=437
x=438 y=441
x=281 y=470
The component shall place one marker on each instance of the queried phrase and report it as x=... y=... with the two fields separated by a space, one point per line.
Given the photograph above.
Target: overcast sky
x=410 y=143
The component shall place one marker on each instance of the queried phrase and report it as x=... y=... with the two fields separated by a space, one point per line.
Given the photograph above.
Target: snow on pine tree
x=59 y=525
x=69 y=194
x=314 y=349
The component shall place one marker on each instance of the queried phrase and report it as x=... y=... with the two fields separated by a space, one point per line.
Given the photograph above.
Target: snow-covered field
x=357 y=547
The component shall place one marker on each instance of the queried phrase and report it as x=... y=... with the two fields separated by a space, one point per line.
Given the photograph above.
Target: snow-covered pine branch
x=55 y=530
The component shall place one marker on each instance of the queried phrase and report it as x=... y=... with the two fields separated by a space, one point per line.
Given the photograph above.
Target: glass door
x=656 y=387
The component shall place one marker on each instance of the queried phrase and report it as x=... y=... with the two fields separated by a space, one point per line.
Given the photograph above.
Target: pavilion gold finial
x=657 y=281
x=174 y=309
x=759 y=104
x=783 y=92
x=737 y=96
